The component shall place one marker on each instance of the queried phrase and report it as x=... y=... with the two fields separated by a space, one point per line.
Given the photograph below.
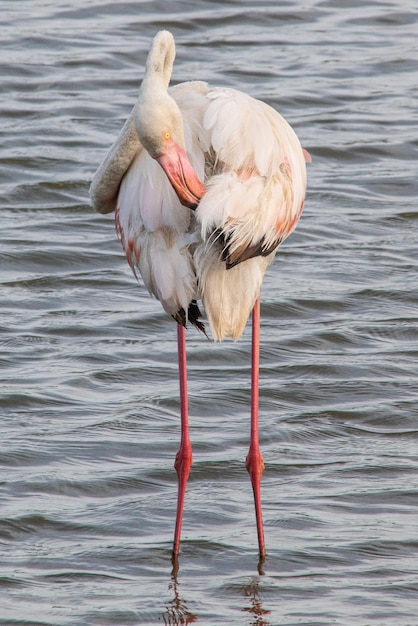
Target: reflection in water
x=256 y=609
x=176 y=610
x=178 y=613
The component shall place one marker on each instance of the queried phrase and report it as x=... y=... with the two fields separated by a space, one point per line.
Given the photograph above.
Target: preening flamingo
x=210 y=240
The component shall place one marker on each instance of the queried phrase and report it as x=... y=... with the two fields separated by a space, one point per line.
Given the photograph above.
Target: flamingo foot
x=182 y=466
x=255 y=467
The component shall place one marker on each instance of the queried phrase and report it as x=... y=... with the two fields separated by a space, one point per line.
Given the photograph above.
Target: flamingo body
x=192 y=240
x=255 y=179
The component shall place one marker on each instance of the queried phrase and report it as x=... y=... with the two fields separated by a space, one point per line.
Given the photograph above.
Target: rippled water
x=89 y=400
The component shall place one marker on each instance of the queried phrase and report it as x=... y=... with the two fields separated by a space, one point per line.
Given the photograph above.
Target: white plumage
x=253 y=169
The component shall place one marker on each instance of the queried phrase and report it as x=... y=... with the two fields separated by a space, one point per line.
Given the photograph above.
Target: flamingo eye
x=167 y=135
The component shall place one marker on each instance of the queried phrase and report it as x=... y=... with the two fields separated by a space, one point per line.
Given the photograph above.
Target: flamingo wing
x=253 y=201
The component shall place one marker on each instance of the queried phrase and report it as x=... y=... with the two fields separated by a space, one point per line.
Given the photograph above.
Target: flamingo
x=212 y=240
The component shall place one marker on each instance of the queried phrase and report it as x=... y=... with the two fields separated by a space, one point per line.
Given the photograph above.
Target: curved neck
x=159 y=65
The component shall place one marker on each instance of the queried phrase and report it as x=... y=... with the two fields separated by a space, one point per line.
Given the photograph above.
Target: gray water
x=89 y=398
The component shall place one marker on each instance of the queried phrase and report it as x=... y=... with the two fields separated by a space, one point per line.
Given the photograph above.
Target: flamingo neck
x=159 y=64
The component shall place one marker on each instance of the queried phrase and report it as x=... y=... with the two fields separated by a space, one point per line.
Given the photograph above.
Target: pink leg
x=184 y=459
x=254 y=461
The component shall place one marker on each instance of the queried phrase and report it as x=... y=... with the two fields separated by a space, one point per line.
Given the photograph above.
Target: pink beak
x=181 y=175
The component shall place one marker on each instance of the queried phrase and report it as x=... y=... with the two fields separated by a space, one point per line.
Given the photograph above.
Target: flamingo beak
x=181 y=175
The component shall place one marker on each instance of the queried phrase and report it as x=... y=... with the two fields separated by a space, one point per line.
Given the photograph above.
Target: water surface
x=90 y=416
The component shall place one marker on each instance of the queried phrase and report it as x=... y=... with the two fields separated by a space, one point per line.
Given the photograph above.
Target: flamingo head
x=159 y=125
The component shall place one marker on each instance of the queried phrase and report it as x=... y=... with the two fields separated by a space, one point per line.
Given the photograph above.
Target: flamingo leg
x=184 y=459
x=254 y=461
